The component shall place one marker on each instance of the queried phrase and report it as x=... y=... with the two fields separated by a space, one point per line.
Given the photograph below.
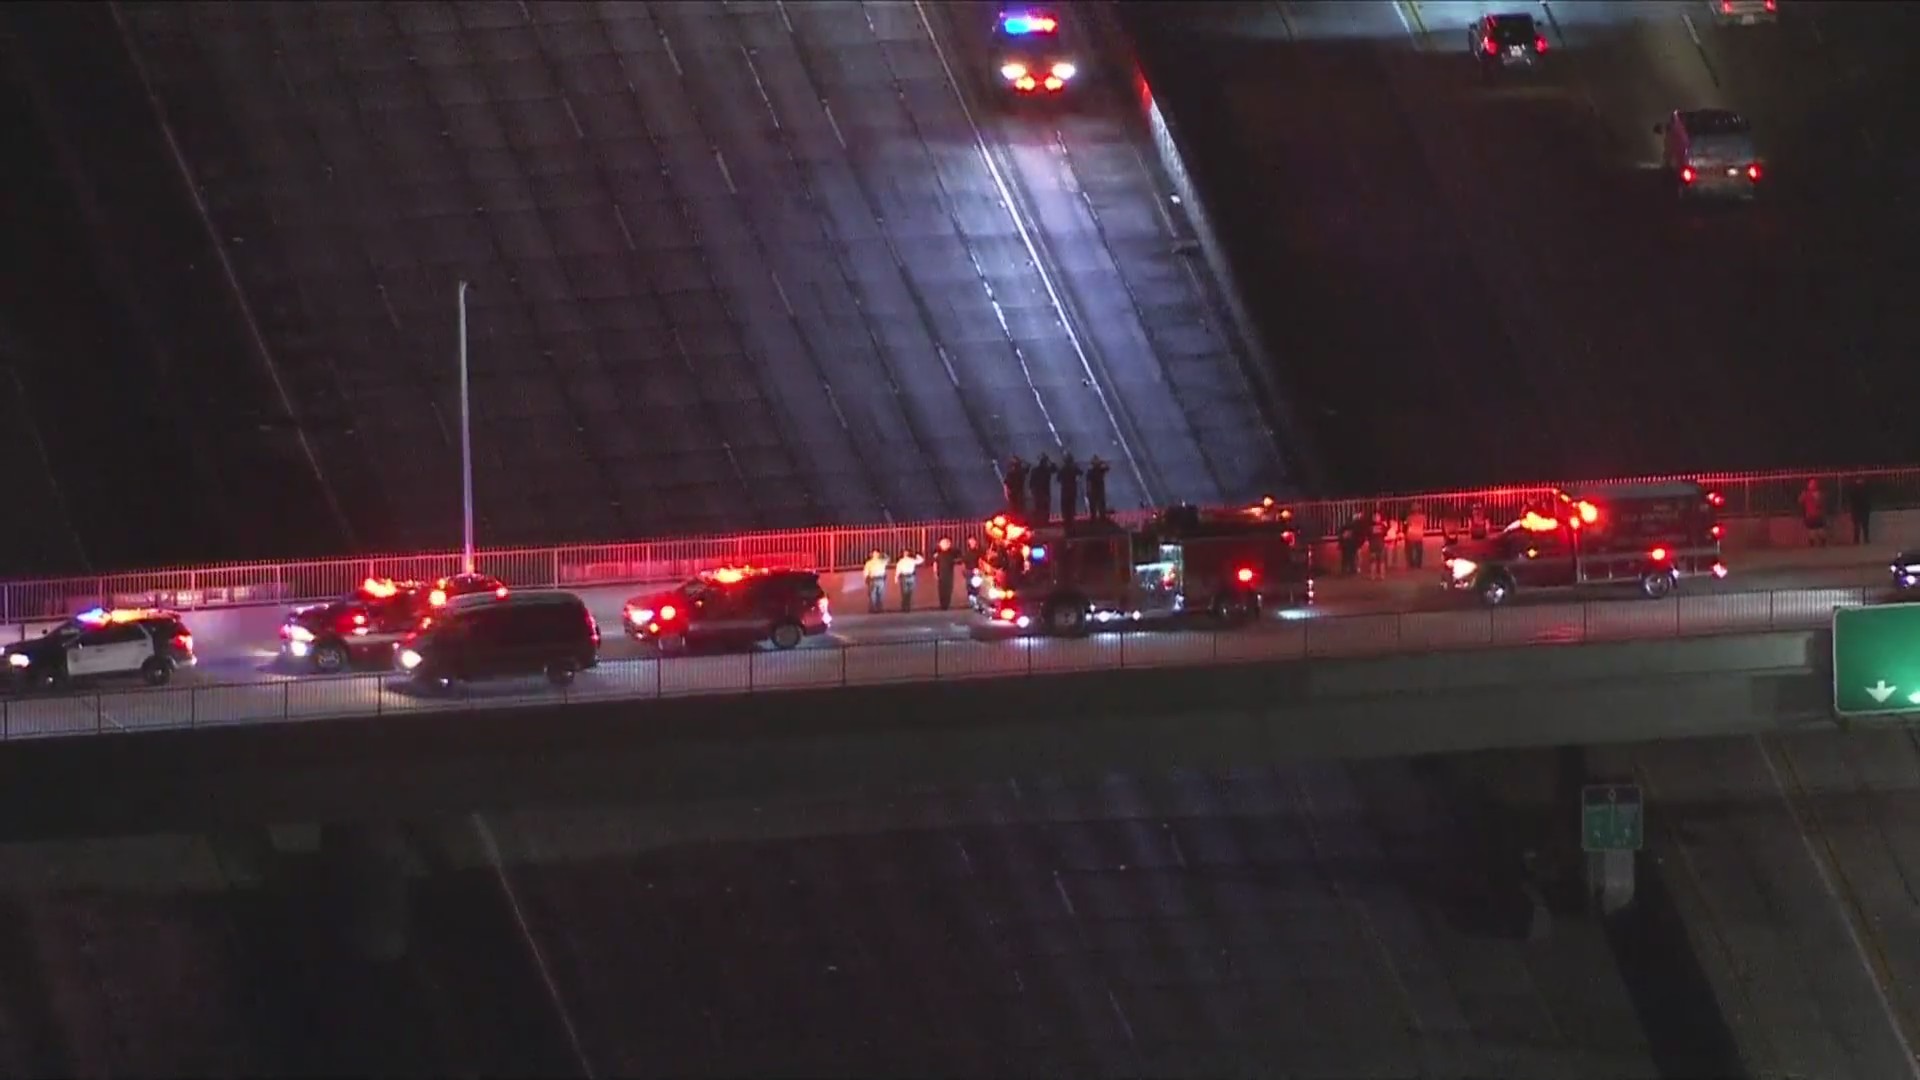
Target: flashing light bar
x=1024 y=23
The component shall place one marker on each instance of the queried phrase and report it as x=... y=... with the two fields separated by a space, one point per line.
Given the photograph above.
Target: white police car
x=148 y=642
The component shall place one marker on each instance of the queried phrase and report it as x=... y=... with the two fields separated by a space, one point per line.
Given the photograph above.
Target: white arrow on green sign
x=1876 y=660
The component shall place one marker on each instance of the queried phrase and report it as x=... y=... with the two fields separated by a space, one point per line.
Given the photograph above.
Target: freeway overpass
x=1205 y=712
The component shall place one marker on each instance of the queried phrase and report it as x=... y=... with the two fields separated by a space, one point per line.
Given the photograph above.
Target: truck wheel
x=1067 y=616
x=1496 y=590
x=787 y=635
x=329 y=657
x=156 y=671
x=1657 y=585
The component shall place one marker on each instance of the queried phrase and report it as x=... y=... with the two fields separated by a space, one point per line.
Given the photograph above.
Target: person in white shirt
x=906 y=570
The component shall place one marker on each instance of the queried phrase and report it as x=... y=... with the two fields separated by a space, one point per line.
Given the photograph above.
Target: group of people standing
x=1029 y=488
x=947 y=560
x=1382 y=537
x=1859 y=504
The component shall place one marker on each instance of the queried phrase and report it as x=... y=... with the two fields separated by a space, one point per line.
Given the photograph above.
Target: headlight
x=299 y=633
x=1012 y=72
x=1911 y=568
x=19 y=660
x=1462 y=569
x=409 y=659
x=639 y=616
x=1064 y=71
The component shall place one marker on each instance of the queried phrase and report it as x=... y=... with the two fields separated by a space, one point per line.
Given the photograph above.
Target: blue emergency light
x=1023 y=24
x=1038 y=554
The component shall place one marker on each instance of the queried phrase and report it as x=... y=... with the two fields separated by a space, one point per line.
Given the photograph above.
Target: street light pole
x=466 y=446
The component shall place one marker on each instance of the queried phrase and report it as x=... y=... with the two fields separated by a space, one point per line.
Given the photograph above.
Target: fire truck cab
x=1184 y=561
x=1645 y=535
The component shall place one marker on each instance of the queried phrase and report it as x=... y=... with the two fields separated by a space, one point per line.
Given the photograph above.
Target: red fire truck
x=1226 y=565
x=1644 y=535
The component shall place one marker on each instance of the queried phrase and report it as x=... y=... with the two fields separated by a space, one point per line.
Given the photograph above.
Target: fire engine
x=1222 y=564
x=1645 y=535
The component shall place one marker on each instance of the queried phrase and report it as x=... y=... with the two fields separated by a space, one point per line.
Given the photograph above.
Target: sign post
x=1876 y=660
x=1613 y=826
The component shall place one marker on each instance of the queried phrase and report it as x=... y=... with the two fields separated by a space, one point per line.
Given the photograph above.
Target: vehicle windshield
x=695 y=589
x=1718 y=122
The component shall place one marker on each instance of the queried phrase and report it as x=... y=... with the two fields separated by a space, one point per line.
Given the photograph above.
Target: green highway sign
x=1876 y=660
x=1611 y=818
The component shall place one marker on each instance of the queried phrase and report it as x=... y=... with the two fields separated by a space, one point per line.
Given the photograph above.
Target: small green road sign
x=1611 y=818
x=1876 y=660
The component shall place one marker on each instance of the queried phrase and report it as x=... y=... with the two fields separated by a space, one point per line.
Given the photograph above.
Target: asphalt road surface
x=1474 y=281
x=735 y=265
x=242 y=681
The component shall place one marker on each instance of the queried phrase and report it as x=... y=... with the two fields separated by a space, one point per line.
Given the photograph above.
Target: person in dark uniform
x=945 y=559
x=1860 y=508
x=1015 y=481
x=1096 y=488
x=1069 y=490
x=1040 y=491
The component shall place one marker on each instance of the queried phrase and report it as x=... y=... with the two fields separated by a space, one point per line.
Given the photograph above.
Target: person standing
x=1860 y=508
x=1352 y=536
x=1097 y=488
x=1813 y=511
x=1477 y=524
x=1014 y=480
x=906 y=570
x=945 y=560
x=1069 y=490
x=976 y=568
x=1377 y=546
x=875 y=571
x=1416 y=537
x=1040 y=491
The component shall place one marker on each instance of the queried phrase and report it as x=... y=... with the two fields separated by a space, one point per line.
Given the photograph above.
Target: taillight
x=183 y=642
x=1719 y=569
x=1540 y=43
x=1658 y=554
x=1686 y=174
x=437 y=598
x=1726 y=7
x=1753 y=171
x=1054 y=82
x=1491 y=46
x=1245 y=574
x=1007 y=614
x=1716 y=499
x=668 y=612
x=1773 y=5
x=1717 y=532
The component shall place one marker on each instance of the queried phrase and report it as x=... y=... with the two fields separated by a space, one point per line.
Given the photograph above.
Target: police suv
x=98 y=644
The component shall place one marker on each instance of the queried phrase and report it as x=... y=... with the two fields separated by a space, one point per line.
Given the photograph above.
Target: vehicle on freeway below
x=1031 y=48
x=1645 y=535
x=1506 y=42
x=482 y=636
x=362 y=628
x=1710 y=153
x=1744 y=12
x=732 y=607
x=1906 y=571
x=101 y=644
x=1223 y=565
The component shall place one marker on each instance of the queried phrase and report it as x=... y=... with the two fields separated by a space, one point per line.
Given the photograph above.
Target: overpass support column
x=1610 y=879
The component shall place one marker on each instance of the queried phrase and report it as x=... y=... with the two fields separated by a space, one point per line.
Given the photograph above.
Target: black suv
x=1506 y=42
x=99 y=644
x=733 y=607
x=484 y=636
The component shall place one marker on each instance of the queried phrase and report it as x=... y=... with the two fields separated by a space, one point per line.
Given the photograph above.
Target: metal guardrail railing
x=1350 y=636
x=584 y=565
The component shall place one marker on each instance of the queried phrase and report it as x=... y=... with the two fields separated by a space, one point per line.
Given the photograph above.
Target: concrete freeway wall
x=808 y=744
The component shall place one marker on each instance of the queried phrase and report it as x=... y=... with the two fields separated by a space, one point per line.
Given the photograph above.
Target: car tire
x=561 y=672
x=787 y=635
x=1658 y=585
x=156 y=672
x=329 y=658
x=1067 y=616
x=1496 y=590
